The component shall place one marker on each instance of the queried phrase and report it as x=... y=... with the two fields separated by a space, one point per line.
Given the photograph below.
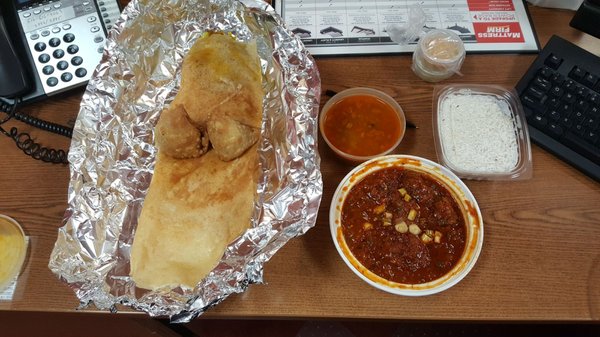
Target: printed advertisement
x=330 y=27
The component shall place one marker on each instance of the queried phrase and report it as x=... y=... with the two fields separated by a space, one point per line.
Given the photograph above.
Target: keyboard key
x=565 y=109
x=594 y=111
x=591 y=122
x=553 y=102
x=554 y=115
x=577 y=73
x=582 y=146
x=581 y=104
x=554 y=130
x=553 y=61
x=557 y=91
x=543 y=84
x=566 y=121
x=590 y=80
x=579 y=129
x=533 y=104
x=536 y=93
x=538 y=121
x=579 y=116
x=545 y=72
x=569 y=85
x=557 y=79
x=591 y=137
x=568 y=97
x=594 y=99
x=581 y=91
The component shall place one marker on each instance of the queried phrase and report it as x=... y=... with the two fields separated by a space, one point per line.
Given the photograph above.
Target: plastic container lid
x=480 y=132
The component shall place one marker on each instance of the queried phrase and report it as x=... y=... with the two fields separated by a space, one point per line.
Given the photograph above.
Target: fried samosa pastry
x=221 y=91
x=177 y=137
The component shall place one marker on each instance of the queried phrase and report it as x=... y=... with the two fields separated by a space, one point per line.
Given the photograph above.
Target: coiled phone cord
x=24 y=141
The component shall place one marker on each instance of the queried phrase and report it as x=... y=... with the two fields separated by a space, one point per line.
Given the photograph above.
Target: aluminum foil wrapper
x=112 y=153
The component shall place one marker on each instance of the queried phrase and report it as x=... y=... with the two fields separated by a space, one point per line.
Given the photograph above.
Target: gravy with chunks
x=403 y=225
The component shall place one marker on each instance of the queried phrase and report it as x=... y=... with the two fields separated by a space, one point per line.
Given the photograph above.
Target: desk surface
x=541 y=254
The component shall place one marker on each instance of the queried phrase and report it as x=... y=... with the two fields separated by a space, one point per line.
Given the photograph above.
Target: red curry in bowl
x=403 y=225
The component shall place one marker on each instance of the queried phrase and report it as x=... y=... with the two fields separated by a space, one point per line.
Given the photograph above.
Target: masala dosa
x=201 y=196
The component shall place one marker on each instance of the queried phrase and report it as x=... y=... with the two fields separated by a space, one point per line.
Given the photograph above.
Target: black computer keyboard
x=561 y=96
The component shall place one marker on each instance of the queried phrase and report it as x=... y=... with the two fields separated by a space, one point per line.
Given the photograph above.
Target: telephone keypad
x=77 y=60
x=52 y=81
x=80 y=72
x=69 y=37
x=72 y=49
x=66 y=77
x=40 y=46
x=58 y=53
x=48 y=70
x=54 y=42
x=44 y=58
x=62 y=65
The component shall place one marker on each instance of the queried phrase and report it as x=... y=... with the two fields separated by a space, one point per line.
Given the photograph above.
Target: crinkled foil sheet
x=112 y=153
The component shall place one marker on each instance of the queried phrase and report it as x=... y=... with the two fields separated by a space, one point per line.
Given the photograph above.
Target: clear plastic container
x=481 y=133
x=350 y=128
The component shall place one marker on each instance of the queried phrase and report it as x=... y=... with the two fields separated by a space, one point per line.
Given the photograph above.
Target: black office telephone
x=48 y=47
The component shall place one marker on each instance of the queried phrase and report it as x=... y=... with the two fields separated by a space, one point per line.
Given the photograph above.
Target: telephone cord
x=24 y=141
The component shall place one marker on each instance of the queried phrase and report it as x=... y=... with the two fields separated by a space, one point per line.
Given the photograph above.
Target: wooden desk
x=541 y=252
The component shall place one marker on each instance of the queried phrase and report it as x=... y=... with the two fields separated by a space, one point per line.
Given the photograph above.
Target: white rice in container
x=477 y=132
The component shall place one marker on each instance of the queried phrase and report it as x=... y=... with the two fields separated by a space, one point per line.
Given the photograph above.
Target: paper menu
x=329 y=27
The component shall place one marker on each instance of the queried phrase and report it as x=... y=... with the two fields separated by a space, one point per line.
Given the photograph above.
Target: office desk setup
x=540 y=260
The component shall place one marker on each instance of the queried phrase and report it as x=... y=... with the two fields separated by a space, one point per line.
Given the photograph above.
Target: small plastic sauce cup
x=359 y=124
x=439 y=55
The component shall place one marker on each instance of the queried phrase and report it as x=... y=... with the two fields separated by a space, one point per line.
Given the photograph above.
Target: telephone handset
x=14 y=81
x=48 y=47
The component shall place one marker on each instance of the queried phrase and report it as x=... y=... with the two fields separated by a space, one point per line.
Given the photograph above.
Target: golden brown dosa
x=196 y=206
x=193 y=210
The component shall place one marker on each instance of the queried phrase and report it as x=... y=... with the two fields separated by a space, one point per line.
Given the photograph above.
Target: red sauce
x=362 y=125
x=381 y=247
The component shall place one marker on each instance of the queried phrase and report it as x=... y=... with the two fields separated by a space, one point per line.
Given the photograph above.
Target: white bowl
x=465 y=199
